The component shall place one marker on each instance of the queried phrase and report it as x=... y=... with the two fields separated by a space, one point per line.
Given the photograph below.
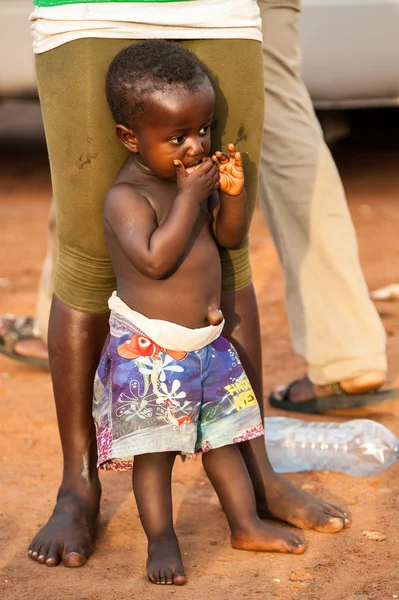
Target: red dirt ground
x=346 y=566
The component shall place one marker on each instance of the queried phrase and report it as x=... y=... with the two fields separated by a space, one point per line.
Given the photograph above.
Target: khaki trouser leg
x=333 y=323
x=46 y=283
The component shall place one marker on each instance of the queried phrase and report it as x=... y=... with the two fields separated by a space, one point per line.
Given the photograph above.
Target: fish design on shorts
x=140 y=345
x=178 y=421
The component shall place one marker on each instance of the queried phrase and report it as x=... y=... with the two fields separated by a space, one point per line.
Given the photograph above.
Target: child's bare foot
x=68 y=535
x=236 y=495
x=260 y=537
x=164 y=564
x=285 y=502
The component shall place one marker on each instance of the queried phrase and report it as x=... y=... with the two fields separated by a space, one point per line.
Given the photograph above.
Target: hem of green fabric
x=48 y=3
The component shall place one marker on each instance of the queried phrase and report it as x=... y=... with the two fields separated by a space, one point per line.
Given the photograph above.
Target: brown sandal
x=21 y=329
x=339 y=400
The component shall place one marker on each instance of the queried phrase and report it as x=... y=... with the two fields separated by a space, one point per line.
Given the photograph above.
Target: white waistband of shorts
x=165 y=333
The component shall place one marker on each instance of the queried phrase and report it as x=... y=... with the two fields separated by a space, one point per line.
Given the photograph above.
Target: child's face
x=176 y=125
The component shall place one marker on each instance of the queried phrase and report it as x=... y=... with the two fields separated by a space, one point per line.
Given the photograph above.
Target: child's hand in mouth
x=194 y=167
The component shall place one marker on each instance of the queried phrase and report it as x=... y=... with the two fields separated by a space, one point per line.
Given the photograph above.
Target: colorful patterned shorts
x=151 y=399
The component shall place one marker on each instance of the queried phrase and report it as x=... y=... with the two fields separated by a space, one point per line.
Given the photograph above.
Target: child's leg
x=152 y=487
x=229 y=476
x=278 y=498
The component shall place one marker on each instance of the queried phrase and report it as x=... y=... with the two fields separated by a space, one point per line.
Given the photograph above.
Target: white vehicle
x=350 y=51
x=17 y=63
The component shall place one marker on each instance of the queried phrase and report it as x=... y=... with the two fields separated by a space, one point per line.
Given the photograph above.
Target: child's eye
x=179 y=139
x=204 y=130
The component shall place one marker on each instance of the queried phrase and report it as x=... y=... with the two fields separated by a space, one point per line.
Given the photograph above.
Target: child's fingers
x=222 y=157
x=232 y=150
x=205 y=166
x=237 y=160
x=181 y=172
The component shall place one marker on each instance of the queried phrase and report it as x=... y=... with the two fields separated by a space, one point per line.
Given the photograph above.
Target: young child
x=167 y=382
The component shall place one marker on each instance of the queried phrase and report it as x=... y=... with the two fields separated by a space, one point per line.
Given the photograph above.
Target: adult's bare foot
x=260 y=537
x=303 y=389
x=283 y=501
x=164 y=564
x=68 y=535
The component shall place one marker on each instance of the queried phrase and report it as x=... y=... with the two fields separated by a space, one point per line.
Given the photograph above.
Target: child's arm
x=129 y=217
x=231 y=215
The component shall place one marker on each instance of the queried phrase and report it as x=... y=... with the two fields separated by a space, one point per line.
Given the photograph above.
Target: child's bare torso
x=185 y=294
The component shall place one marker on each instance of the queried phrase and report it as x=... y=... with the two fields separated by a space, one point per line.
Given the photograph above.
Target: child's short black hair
x=147 y=67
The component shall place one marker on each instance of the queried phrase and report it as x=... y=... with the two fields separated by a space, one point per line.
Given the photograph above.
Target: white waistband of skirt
x=201 y=19
x=170 y=336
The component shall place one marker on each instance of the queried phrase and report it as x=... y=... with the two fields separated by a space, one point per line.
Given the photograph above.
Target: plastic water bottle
x=358 y=447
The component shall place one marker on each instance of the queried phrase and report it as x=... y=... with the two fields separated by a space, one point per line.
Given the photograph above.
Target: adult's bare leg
x=276 y=497
x=75 y=344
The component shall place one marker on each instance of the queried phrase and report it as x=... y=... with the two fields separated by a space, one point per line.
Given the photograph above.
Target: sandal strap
x=21 y=329
x=286 y=392
x=337 y=389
